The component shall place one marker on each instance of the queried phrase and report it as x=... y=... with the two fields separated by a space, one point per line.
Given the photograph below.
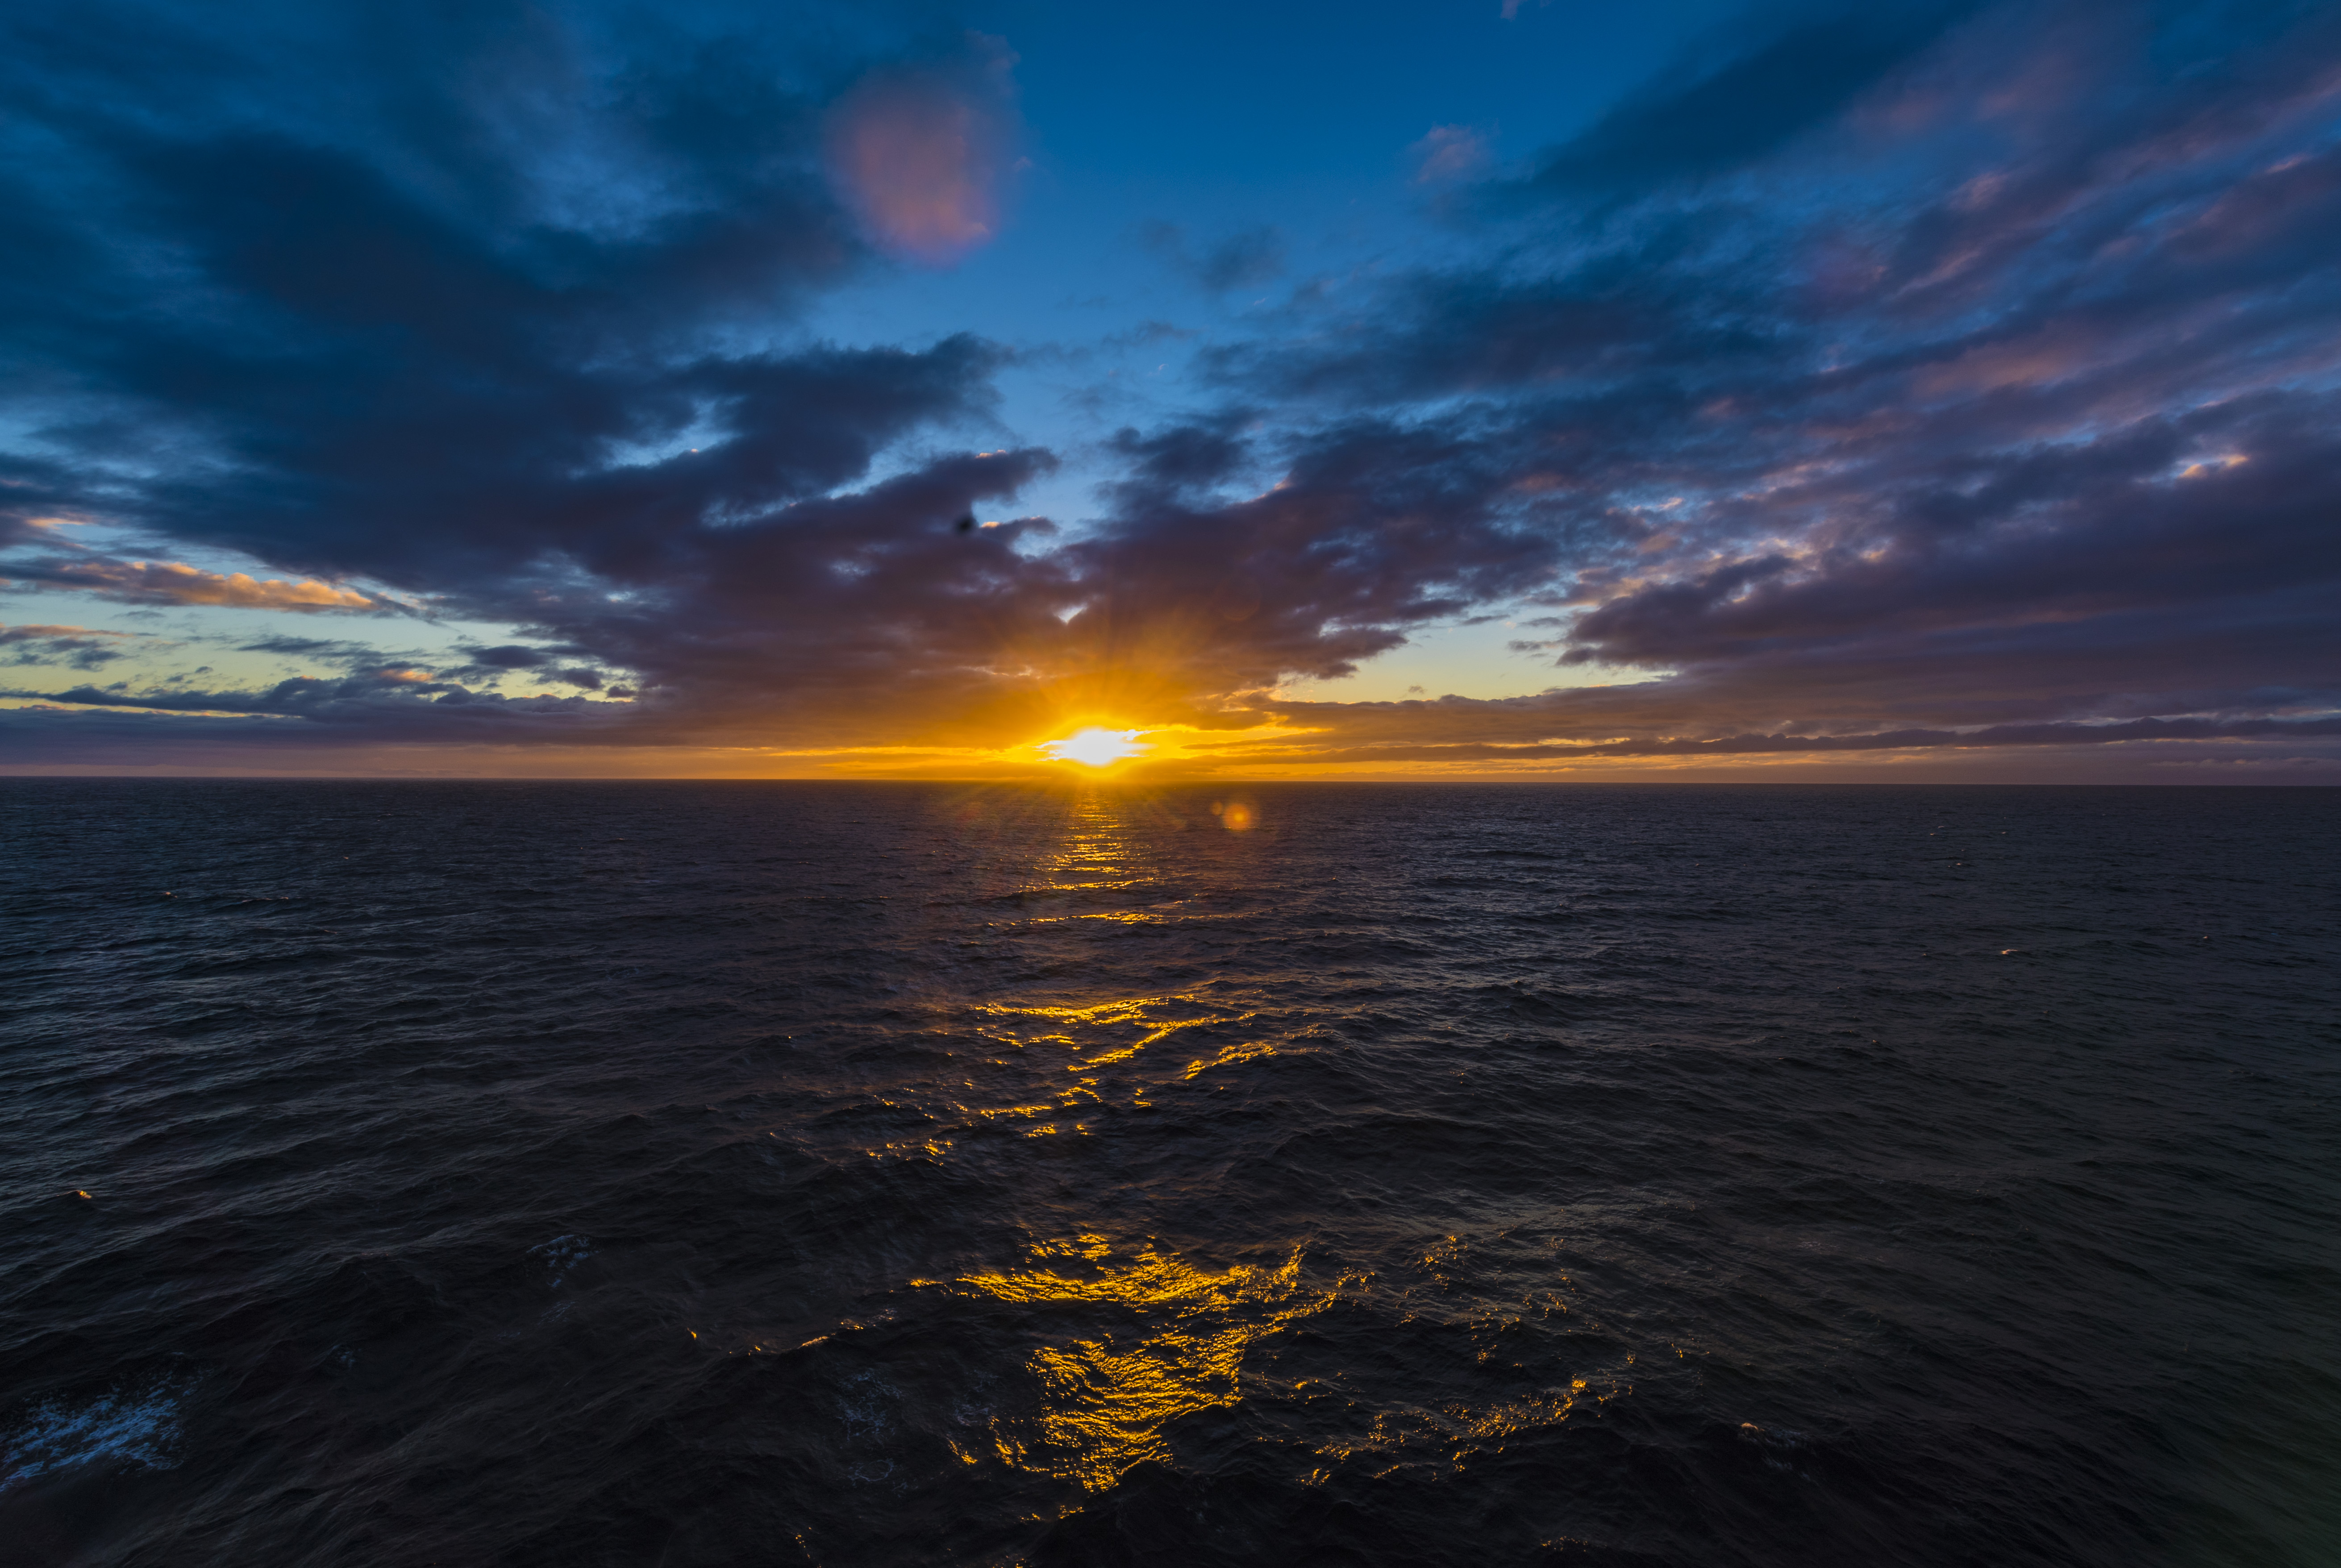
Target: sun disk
x=1095 y=747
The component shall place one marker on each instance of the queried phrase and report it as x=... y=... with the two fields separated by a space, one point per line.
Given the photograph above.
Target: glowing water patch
x=1173 y=1343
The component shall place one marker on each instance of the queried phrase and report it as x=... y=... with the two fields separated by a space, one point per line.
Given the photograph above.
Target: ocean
x=503 y=1173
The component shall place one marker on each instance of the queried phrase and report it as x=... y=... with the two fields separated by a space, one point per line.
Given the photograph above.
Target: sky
x=1928 y=392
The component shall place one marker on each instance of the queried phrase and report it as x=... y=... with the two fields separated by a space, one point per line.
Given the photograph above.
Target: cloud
x=393 y=702
x=1706 y=115
x=1245 y=259
x=1550 y=754
x=1182 y=457
x=174 y=582
x=1447 y=154
x=924 y=155
x=2081 y=544
x=81 y=647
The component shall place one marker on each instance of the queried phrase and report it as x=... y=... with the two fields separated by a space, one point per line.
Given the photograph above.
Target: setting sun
x=1096 y=748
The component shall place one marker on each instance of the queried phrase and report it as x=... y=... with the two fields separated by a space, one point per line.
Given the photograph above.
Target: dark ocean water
x=889 y=1174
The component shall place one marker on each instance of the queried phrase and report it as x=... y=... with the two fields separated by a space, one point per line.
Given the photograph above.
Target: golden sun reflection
x=1096 y=746
x=1105 y=1401
x=1122 y=1341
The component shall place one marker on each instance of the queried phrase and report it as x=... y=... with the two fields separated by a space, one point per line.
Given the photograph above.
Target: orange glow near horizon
x=1096 y=747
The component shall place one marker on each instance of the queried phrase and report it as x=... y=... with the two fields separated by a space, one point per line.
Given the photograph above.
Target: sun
x=1096 y=748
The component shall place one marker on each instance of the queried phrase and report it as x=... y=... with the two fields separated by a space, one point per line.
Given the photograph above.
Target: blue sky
x=1936 y=390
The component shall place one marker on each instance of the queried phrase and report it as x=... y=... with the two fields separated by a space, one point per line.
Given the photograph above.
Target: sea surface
x=866 y=1175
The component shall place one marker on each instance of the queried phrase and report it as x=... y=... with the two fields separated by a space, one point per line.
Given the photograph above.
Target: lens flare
x=1094 y=747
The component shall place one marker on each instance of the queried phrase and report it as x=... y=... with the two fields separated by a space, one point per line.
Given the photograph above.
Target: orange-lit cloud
x=174 y=582
x=923 y=158
x=22 y=633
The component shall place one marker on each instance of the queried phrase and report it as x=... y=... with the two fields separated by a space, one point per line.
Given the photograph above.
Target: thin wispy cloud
x=175 y=582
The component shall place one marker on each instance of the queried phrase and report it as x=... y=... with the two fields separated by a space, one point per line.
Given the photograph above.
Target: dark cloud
x=1181 y=458
x=2073 y=545
x=427 y=349
x=1708 y=116
x=1375 y=525
x=392 y=703
x=78 y=647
